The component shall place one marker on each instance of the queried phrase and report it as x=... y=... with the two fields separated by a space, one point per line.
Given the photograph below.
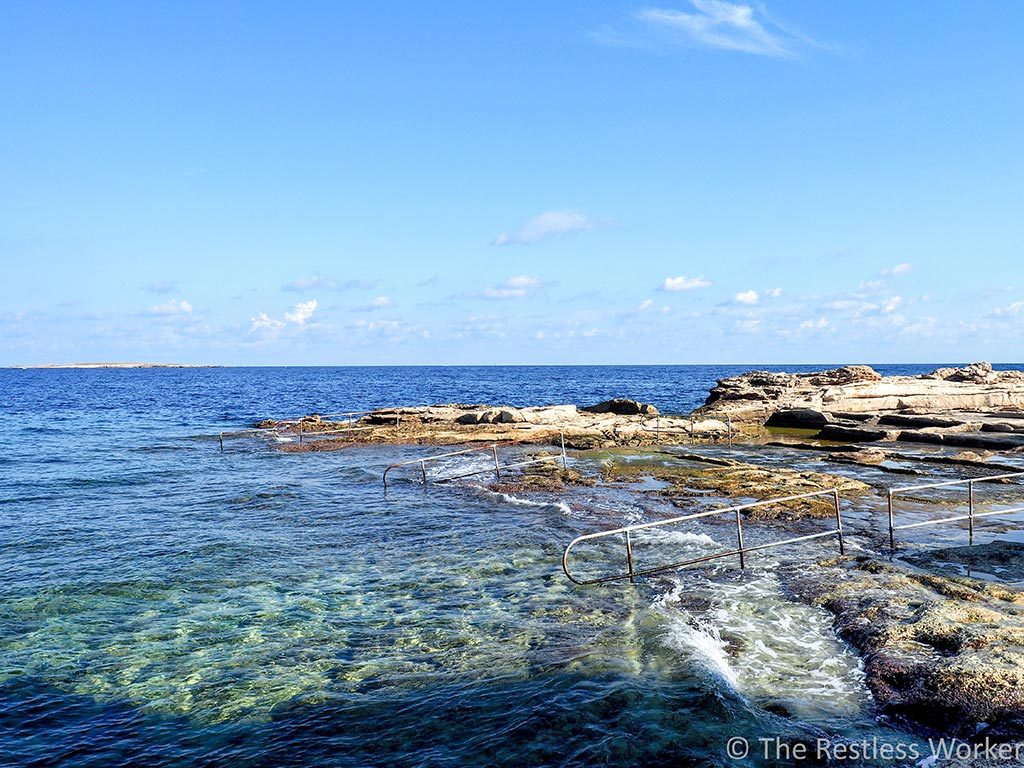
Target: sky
x=529 y=182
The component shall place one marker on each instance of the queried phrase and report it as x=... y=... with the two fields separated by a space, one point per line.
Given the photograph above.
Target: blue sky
x=527 y=182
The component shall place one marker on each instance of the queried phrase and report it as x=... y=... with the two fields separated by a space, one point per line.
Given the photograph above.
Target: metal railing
x=497 y=469
x=245 y=432
x=692 y=432
x=632 y=572
x=969 y=517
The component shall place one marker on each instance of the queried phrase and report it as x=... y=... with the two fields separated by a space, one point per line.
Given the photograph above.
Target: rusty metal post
x=839 y=522
x=892 y=530
x=739 y=536
x=222 y=442
x=629 y=556
x=562 y=436
x=423 y=471
x=497 y=469
x=970 y=513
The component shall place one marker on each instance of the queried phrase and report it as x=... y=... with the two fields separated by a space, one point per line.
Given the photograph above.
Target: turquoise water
x=163 y=603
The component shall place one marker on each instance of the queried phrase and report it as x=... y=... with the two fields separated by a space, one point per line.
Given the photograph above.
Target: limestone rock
x=940 y=396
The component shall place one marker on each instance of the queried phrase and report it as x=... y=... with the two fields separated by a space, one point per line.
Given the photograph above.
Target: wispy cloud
x=381 y=302
x=327 y=283
x=714 y=24
x=518 y=287
x=171 y=307
x=545 y=225
x=683 y=283
x=899 y=269
x=162 y=286
x=747 y=297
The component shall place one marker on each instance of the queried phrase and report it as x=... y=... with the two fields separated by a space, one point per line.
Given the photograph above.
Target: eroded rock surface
x=618 y=422
x=942 y=652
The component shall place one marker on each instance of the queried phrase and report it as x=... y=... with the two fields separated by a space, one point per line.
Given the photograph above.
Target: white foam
x=512 y=499
x=785 y=650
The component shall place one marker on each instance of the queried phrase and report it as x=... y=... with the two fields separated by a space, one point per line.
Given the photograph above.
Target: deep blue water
x=162 y=603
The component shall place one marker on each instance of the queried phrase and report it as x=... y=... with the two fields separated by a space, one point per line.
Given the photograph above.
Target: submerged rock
x=727 y=477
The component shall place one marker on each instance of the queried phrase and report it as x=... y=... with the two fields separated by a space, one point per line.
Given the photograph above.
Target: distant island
x=115 y=365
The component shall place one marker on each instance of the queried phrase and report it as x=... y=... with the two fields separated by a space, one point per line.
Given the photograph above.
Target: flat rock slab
x=619 y=422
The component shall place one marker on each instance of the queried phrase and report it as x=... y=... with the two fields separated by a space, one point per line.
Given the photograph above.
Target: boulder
x=797 y=418
x=622 y=406
x=848 y=374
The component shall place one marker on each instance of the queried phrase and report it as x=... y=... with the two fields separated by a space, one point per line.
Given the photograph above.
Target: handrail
x=631 y=572
x=493 y=448
x=969 y=517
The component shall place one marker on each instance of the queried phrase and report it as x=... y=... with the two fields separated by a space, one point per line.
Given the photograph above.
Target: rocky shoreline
x=943 y=652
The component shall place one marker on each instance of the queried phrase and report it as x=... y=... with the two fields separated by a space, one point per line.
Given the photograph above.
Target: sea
x=167 y=603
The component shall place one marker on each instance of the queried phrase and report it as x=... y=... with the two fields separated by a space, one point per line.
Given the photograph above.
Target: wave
x=520 y=502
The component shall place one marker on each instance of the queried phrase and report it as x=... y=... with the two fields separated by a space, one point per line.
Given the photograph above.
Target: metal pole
x=423 y=470
x=497 y=470
x=564 y=465
x=629 y=555
x=739 y=536
x=892 y=534
x=970 y=513
x=300 y=431
x=693 y=432
x=839 y=523
x=222 y=442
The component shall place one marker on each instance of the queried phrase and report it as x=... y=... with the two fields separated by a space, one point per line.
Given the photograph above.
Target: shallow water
x=163 y=603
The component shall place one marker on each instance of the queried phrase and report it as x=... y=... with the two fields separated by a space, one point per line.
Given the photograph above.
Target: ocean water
x=166 y=604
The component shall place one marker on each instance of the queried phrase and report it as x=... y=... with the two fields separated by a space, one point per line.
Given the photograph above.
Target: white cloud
x=262 y=322
x=747 y=297
x=815 y=325
x=727 y=26
x=381 y=302
x=544 y=225
x=171 y=307
x=326 y=283
x=517 y=287
x=301 y=312
x=774 y=293
x=683 y=283
x=1015 y=308
x=646 y=304
x=899 y=269
x=891 y=305
x=298 y=315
